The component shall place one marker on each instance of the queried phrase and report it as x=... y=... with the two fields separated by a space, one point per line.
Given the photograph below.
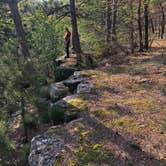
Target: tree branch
x=52 y=11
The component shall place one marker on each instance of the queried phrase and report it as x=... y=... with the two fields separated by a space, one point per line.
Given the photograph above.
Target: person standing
x=67 y=42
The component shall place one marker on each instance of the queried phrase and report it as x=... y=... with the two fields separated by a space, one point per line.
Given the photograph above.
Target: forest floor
x=123 y=119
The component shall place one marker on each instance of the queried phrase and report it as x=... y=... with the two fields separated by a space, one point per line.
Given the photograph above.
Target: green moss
x=126 y=123
x=94 y=155
x=140 y=104
x=79 y=103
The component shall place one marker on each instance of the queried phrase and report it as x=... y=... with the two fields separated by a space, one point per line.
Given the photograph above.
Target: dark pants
x=67 y=48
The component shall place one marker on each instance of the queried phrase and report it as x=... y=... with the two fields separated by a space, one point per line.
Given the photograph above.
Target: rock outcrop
x=84 y=87
x=57 y=91
x=73 y=81
x=44 y=150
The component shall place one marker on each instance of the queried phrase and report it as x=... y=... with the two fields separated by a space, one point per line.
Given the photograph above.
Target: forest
x=82 y=83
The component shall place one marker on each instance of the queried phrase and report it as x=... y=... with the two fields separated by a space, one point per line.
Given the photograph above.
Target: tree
x=131 y=27
x=140 y=26
x=19 y=27
x=75 y=34
x=107 y=25
x=114 y=18
x=163 y=21
x=146 y=15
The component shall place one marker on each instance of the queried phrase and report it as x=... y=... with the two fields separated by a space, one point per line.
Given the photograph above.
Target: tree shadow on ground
x=161 y=59
x=136 y=156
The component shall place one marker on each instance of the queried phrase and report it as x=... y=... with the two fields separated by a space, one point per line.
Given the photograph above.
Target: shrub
x=57 y=114
x=63 y=73
x=45 y=117
x=5 y=144
x=31 y=120
x=42 y=105
x=25 y=152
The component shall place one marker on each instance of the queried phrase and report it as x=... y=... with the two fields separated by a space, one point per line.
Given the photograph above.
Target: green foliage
x=45 y=116
x=57 y=114
x=5 y=144
x=25 y=150
x=30 y=120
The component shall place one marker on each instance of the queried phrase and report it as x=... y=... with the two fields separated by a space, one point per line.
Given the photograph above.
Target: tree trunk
x=23 y=119
x=114 y=17
x=152 y=25
x=108 y=25
x=75 y=35
x=19 y=28
x=140 y=27
x=131 y=27
x=146 y=15
x=162 y=22
x=159 y=27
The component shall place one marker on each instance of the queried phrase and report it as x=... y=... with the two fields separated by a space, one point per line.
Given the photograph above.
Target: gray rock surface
x=57 y=91
x=84 y=88
x=73 y=81
x=44 y=150
x=71 y=112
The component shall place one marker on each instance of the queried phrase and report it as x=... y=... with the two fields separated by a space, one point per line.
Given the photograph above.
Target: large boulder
x=44 y=150
x=63 y=73
x=70 y=111
x=73 y=81
x=84 y=87
x=80 y=74
x=57 y=91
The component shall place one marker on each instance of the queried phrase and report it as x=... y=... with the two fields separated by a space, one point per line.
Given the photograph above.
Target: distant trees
x=107 y=24
x=140 y=26
x=163 y=21
x=131 y=26
x=146 y=15
x=114 y=19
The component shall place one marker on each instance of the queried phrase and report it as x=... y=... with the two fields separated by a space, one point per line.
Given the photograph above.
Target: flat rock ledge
x=44 y=150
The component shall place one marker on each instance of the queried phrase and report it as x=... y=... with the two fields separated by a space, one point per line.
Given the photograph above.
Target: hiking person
x=67 y=42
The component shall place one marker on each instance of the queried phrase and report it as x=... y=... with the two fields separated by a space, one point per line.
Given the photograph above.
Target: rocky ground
x=121 y=115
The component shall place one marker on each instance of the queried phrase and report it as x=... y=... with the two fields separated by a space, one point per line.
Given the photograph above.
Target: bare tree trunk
x=140 y=27
x=108 y=25
x=75 y=35
x=23 y=118
x=159 y=25
x=146 y=14
x=114 y=17
x=131 y=27
x=163 y=22
x=19 y=28
x=152 y=25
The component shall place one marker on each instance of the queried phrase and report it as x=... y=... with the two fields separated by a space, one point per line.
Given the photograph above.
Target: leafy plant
x=57 y=114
